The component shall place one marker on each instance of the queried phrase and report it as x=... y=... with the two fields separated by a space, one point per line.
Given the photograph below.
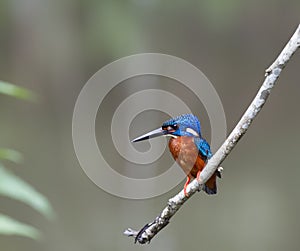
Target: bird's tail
x=210 y=186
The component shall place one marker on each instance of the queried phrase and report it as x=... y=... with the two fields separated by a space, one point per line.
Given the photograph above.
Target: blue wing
x=203 y=147
x=205 y=151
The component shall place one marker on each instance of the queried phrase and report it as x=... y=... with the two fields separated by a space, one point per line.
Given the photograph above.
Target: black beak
x=149 y=135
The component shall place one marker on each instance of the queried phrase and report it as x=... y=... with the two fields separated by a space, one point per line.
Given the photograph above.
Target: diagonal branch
x=272 y=73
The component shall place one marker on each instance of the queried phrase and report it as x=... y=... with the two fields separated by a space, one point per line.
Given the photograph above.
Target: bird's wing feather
x=203 y=147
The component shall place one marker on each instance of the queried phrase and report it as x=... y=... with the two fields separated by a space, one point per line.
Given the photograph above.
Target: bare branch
x=174 y=204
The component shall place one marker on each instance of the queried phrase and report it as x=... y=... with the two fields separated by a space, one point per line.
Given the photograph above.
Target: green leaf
x=11 y=155
x=15 y=188
x=9 y=226
x=16 y=91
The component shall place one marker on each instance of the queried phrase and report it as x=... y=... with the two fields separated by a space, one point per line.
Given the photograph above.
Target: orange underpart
x=186 y=154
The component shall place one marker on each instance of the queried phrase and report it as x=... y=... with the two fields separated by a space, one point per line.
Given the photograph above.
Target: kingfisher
x=187 y=146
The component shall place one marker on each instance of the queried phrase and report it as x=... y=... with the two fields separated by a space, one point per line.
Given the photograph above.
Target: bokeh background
x=54 y=47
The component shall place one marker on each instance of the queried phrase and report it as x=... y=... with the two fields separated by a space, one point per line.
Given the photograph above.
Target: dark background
x=54 y=47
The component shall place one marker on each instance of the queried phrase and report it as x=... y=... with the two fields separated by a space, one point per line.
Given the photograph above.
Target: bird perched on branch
x=188 y=148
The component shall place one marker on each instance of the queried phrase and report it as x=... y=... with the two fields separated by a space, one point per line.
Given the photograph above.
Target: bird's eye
x=175 y=126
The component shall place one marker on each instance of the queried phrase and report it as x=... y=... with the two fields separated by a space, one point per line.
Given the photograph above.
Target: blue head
x=183 y=125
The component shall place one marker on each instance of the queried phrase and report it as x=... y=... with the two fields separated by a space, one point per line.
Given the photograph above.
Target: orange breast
x=185 y=152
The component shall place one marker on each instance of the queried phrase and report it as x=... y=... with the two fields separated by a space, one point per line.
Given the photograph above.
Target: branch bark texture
x=272 y=73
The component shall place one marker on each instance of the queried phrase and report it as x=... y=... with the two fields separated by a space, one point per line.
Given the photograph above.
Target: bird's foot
x=185 y=192
x=185 y=186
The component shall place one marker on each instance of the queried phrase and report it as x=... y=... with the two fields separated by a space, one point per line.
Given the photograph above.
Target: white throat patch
x=173 y=136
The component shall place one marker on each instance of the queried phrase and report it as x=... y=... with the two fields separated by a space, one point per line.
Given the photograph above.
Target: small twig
x=272 y=73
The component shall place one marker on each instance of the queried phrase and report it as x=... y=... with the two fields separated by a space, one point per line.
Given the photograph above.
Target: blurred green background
x=54 y=47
